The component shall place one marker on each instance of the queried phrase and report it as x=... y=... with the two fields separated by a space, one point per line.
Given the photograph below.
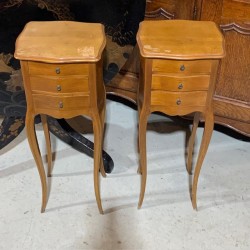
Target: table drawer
x=55 y=69
x=181 y=99
x=181 y=67
x=60 y=84
x=60 y=102
x=174 y=83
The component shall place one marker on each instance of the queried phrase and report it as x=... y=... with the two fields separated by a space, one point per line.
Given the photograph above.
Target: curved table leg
x=48 y=143
x=61 y=129
x=206 y=137
x=34 y=147
x=143 y=118
x=10 y=128
x=191 y=142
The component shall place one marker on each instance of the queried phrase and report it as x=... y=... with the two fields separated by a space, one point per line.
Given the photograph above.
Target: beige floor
x=166 y=220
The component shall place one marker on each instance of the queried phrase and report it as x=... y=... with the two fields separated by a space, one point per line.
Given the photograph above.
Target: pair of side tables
x=61 y=64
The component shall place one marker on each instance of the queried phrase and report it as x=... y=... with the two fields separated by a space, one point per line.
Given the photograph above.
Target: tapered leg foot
x=98 y=163
x=143 y=155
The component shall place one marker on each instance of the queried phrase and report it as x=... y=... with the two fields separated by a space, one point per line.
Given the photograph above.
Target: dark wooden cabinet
x=232 y=94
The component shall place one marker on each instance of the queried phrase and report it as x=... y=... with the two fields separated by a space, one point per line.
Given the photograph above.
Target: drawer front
x=181 y=67
x=178 y=99
x=173 y=83
x=53 y=69
x=60 y=102
x=59 y=84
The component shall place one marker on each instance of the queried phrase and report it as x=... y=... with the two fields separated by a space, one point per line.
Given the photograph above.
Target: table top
x=61 y=41
x=180 y=39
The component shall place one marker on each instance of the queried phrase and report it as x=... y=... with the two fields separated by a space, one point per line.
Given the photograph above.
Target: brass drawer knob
x=58 y=88
x=58 y=71
x=60 y=105
x=182 y=68
x=180 y=86
x=178 y=102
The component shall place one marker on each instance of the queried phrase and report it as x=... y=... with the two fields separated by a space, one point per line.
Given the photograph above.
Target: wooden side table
x=179 y=62
x=61 y=64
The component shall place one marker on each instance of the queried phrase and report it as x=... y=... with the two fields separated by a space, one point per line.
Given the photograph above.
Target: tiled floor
x=166 y=220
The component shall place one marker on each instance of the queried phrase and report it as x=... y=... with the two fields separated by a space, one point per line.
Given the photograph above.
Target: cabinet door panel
x=232 y=92
x=236 y=10
x=234 y=77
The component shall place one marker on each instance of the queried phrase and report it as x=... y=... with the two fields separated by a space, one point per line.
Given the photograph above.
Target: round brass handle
x=178 y=102
x=180 y=86
x=182 y=68
x=60 y=105
x=58 y=71
x=58 y=88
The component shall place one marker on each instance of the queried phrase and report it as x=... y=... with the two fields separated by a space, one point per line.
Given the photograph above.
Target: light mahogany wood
x=48 y=143
x=193 y=42
x=63 y=78
x=189 y=67
x=55 y=85
x=62 y=42
x=58 y=69
x=172 y=86
x=181 y=83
